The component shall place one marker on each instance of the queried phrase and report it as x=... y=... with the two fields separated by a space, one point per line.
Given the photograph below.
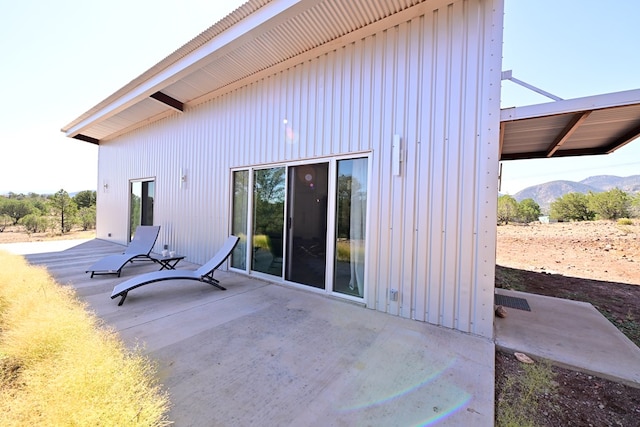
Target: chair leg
x=124 y=296
x=213 y=282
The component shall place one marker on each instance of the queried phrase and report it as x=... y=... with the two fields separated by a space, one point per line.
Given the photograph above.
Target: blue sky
x=570 y=48
x=62 y=58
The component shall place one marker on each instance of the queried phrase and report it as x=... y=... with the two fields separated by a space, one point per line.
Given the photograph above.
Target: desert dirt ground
x=600 y=250
x=16 y=234
x=596 y=262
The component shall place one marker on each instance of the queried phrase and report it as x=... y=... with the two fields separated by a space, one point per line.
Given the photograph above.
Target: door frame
x=130 y=192
x=331 y=221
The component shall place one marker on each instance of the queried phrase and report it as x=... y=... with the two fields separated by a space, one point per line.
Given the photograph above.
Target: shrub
x=15 y=209
x=5 y=220
x=572 y=207
x=60 y=366
x=35 y=223
x=85 y=199
x=87 y=217
x=612 y=204
x=528 y=210
x=625 y=221
x=507 y=209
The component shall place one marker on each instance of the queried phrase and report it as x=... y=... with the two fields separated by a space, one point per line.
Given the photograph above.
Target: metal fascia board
x=264 y=16
x=596 y=102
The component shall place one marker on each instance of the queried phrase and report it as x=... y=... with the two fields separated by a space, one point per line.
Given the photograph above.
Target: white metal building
x=355 y=143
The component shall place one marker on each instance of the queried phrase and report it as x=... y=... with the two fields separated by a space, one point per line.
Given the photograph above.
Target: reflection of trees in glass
x=135 y=212
x=269 y=193
x=239 y=225
x=240 y=188
x=349 y=188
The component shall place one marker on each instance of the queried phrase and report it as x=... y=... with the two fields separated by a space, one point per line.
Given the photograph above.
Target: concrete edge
x=614 y=378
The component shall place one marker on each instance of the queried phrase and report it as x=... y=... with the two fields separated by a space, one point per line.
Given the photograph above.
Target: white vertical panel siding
x=433 y=80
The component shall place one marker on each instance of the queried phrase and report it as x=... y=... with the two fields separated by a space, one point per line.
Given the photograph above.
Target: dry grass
x=59 y=366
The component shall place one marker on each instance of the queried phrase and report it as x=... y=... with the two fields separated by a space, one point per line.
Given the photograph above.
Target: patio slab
x=569 y=333
x=269 y=354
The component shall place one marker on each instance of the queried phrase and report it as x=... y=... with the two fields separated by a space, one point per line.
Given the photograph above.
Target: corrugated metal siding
x=433 y=80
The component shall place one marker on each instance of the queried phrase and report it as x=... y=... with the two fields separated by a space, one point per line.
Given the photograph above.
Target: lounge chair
x=203 y=274
x=140 y=247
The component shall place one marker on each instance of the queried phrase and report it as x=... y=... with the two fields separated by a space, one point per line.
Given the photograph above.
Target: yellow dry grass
x=60 y=367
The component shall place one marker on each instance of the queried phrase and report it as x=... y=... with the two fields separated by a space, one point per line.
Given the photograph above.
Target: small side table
x=167 y=262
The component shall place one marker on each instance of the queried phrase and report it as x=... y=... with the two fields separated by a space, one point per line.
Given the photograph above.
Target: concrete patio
x=265 y=354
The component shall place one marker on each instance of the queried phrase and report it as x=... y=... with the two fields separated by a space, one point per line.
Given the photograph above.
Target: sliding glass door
x=268 y=220
x=240 y=218
x=351 y=226
x=307 y=224
x=303 y=223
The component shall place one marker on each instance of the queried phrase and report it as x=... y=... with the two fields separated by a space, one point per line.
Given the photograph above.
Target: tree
x=87 y=217
x=85 y=199
x=572 y=207
x=507 y=209
x=65 y=209
x=635 y=206
x=15 y=209
x=612 y=204
x=4 y=221
x=528 y=210
x=35 y=223
x=269 y=195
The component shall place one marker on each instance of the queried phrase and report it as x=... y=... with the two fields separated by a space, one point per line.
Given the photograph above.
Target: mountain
x=545 y=194
x=629 y=184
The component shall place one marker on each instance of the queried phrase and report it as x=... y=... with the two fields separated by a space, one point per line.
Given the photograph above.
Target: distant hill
x=629 y=184
x=545 y=194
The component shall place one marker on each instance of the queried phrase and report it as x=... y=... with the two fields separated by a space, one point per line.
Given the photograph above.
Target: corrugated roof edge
x=251 y=6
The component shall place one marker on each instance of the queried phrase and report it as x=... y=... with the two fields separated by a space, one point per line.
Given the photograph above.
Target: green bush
x=612 y=204
x=35 y=223
x=87 y=217
x=16 y=209
x=625 y=221
x=528 y=210
x=572 y=207
x=507 y=209
x=5 y=220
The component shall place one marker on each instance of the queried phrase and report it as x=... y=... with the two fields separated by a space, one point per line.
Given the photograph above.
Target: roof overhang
x=259 y=39
x=575 y=127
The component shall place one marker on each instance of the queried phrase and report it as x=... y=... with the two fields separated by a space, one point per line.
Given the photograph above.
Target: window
x=141 y=204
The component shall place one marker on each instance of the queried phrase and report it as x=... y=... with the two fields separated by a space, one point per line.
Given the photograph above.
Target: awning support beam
x=566 y=133
x=167 y=100
x=86 y=138
x=623 y=140
x=508 y=75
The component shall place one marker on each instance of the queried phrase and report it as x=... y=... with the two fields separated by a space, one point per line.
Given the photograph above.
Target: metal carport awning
x=592 y=125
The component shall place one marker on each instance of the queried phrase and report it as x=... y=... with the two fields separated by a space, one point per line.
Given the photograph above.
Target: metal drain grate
x=512 y=302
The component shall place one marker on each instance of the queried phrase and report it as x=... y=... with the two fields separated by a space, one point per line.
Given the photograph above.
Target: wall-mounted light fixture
x=396 y=155
x=105 y=186
x=183 y=178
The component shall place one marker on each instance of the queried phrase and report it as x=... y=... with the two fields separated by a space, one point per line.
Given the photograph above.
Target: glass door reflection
x=351 y=225
x=268 y=220
x=307 y=224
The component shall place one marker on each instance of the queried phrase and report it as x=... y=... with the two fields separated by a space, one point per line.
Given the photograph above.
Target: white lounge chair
x=202 y=274
x=140 y=247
